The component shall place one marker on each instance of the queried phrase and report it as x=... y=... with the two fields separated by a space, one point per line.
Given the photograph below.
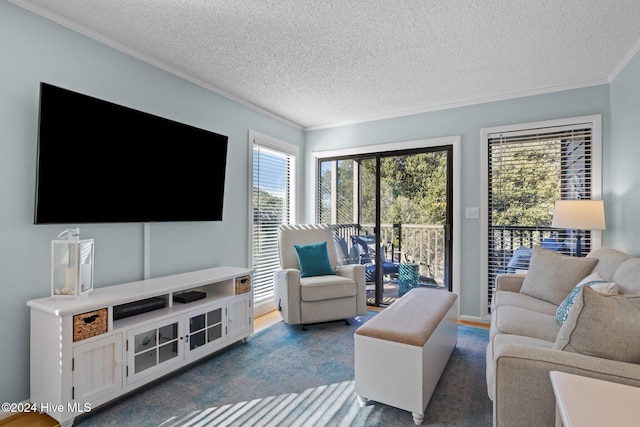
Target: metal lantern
x=71 y=266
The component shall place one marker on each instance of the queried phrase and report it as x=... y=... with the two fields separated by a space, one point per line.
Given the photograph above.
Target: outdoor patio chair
x=521 y=256
x=363 y=252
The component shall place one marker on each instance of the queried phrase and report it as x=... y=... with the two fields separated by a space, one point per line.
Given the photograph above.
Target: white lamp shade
x=579 y=215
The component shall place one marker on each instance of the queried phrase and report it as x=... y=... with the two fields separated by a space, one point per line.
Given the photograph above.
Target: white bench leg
x=362 y=401
x=417 y=418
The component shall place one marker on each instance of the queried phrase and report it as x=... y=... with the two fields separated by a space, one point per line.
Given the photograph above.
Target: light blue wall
x=467 y=122
x=33 y=49
x=623 y=211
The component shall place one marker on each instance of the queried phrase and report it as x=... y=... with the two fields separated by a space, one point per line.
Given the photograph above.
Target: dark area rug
x=288 y=377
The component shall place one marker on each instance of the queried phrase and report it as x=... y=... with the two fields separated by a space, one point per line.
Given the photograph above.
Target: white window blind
x=272 y=206
x=528 y=171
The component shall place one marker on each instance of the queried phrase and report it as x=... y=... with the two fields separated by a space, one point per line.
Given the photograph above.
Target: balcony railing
x=424 y=244
x=504 y=240
x=421 y=244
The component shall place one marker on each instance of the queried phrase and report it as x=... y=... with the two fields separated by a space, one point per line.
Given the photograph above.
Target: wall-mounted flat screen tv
x=99 y=162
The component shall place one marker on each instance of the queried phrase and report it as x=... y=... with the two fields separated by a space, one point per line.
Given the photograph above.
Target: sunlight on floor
x=311 y=407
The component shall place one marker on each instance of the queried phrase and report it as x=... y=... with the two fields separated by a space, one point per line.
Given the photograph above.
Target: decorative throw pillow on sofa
x=314 y=260
x=552 y=275
x=595 y=282
x=603 y=326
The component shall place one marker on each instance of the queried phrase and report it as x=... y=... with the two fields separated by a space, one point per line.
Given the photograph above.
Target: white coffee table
x=588 y=402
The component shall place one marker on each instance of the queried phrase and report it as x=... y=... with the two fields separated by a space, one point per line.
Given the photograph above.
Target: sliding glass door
x=392 y=213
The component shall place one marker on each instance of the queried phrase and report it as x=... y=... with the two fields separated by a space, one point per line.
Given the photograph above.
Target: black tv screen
x=100 y=162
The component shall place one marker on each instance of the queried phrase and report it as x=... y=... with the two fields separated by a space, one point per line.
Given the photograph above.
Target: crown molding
x=627 y=58
x=470 y=103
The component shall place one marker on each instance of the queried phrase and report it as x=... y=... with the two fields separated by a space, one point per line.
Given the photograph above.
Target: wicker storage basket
x=89 y=324
x=243 y=284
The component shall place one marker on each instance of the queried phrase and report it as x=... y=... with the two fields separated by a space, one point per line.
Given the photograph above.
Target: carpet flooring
x=288 y=377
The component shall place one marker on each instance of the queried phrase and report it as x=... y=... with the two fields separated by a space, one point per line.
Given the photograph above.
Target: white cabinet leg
x=417 y=418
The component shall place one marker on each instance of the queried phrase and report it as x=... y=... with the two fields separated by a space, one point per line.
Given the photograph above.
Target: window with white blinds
x=273 y=172
x=528 y=170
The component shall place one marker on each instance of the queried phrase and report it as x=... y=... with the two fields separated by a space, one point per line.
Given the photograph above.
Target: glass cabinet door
x=167 y=342
x=154 y=347
x=206 y=328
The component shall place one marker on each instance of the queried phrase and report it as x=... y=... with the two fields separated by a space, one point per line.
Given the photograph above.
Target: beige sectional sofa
x=600 y=337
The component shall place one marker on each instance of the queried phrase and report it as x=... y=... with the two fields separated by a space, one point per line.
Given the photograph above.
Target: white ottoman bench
x=401 y=353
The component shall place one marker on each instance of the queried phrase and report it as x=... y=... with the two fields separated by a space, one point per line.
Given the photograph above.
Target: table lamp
x=579 y=215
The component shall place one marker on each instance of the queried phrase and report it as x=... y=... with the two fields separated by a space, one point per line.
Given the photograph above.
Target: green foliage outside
x=267 y=208
x=413 y=189
x=525 y=183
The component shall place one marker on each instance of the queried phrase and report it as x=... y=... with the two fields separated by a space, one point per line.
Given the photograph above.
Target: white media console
x=83 y=356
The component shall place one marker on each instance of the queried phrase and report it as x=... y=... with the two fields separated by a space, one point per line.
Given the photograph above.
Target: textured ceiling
x=316 y=63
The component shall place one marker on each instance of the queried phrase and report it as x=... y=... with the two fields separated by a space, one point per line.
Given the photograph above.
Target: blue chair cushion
x=314 y=260
x=387 y=268
x=520 y=259
x=555 y=245
x=343 y=245
x=522 y=256
x=365 y=247
x=363 y=250
x=342 y=249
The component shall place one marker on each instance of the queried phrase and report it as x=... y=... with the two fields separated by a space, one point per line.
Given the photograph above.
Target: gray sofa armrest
x=523 y=392
x=356 y=273
x=509 y=282
x=286 y=291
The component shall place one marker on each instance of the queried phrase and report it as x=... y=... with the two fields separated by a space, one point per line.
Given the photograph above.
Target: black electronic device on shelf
x=190 y=296
x=137 y=307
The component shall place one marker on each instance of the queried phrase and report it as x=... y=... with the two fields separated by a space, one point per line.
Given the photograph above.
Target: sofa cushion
x=604 y=326
x=627 y=276
x=517 y=299
x=608 y=261
x=594 y=281
x=552 y=276
x=318 y=288
x=314 y=260
x=520 y=321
